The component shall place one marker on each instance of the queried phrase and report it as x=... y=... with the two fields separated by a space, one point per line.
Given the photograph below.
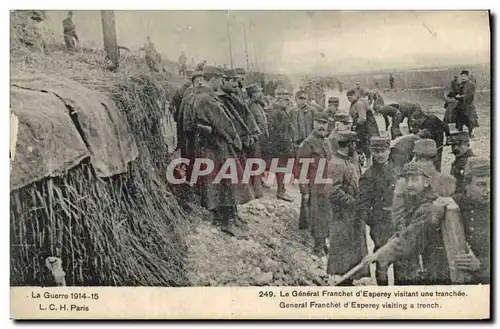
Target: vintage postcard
x=236 y=164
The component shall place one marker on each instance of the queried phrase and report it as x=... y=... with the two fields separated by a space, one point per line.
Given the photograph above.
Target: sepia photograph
x=336 y=150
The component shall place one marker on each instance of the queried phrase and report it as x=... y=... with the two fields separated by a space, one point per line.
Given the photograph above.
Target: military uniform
x=477 y=222
x=390 y=111
x=412 y=220
x=347 y=230
x=366 y=125
x=376 y=187
x=460 y=162
x=406 y=109
x=315 y=211
x=438 y=129
x=281 y=138
x=302 y=119
x=466 y=111
x=333 y=105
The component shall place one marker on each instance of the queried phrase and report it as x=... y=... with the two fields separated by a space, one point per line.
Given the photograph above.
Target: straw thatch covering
x=118 y=230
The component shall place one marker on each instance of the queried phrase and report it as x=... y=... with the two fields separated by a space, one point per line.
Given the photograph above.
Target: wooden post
x=109 y=35
x=454 y=242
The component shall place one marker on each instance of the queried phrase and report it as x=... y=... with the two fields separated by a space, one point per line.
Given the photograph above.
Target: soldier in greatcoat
x=247 y=129
x=281 y=138
x=315 y=210
x=475 y=208
x=256 y=106
x=460 y=147
x=347 y=230
x=376 y=187
x=466 y=110
x=206 y=122
x=365 y=123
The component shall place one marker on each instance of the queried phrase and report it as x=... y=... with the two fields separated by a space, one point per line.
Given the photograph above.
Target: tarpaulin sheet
x=106 y=133
x=48 y=143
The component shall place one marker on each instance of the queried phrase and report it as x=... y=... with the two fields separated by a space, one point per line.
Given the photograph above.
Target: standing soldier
x=360 y=92
x=69 y=31
x=365 y=123
x=466 y=111
x=333 y=105
x=412 y=218
x=302 y=118
x=437 y=128
x=247 y=129
x=215 y=138
x=460 y=147
x=281 y=138
x=315 y=210
x=151 y=55
x=256 y=106
x=475 y=209
x=389 y=111
x=391 y=81
x=376 y=188
x=182 y=64
x=342 y=122
x=347 y=231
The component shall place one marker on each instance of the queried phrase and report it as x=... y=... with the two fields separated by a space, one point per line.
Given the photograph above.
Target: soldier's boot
x=304 y=214
x=281 y=193
x=238 y=220
x=320 y=248
x=217 y=217
x=228 y=225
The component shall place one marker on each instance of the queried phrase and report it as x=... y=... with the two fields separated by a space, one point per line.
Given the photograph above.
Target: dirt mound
x=274 y=254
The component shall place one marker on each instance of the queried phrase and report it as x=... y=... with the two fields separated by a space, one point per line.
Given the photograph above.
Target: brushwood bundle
x=122 y=230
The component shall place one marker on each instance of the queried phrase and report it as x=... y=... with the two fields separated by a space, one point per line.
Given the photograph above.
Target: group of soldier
x=387 y=181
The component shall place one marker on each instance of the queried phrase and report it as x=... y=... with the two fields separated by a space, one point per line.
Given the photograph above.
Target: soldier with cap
x=256 y=106
x=342 y=121
x=247 y=128
x=347 y=230
x=212 y=135
x=425 y=152
x=69 y=31
x=315 y=209
x=466 y=111
x=413 y=220
x=474 y=203
x=437 y=128
x=376 y=188
x=281 y=138
x=460 y=147
x=364 y=121
x=333 y=105
x=181 y=101
x=302 y=118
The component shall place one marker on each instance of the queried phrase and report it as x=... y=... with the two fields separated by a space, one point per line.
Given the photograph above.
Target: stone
x=214 y=230
x=264 y=278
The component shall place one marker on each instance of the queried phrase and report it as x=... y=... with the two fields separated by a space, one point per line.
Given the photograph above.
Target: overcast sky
x=302 y=41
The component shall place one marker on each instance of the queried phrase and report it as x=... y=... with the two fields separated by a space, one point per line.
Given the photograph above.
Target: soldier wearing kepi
x=214 y=137
x=475 y=209
x=256 y=106
x=460 y=147
x=333 y=105
x=315 y=209
x=347 y=230
x=376 y=187
x=281 y=138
